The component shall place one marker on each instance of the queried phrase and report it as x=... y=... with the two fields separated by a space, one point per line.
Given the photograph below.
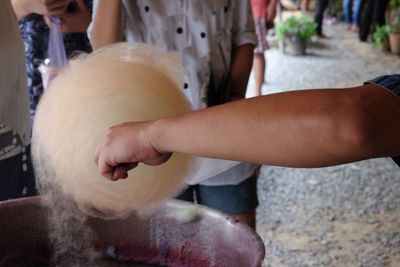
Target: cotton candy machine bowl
x=211 y=239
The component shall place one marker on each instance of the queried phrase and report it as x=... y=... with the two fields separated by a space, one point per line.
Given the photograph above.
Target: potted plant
x=295 y=33
x=380 y=37
x=394 y=33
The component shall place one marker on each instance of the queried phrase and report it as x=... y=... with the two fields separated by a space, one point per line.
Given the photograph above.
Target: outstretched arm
x=310 y=128
x=107 y=27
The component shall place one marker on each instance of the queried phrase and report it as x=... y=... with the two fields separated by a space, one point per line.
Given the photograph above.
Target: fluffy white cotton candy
x=120 y=83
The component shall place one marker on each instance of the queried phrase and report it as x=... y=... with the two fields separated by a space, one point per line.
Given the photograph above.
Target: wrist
x=155 y=135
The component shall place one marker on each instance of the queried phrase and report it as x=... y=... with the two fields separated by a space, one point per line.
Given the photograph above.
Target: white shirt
x=204 y=32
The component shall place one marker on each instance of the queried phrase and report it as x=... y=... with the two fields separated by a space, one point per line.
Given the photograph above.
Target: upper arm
x=106 y=26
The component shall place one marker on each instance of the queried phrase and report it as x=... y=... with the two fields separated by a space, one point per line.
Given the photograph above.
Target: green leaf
x=302 y=26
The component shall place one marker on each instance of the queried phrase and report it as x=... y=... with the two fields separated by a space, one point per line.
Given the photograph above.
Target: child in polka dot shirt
x=215 y=39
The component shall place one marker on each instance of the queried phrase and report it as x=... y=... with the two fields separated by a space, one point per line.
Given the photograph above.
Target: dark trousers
x=374 y=13
x=319 y=14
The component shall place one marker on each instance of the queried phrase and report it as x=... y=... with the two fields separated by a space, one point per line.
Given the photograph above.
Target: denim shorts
x=230 y=199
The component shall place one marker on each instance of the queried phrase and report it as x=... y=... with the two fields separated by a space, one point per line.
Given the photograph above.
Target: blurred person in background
x=34 y=23
x=352 y=10
x=264 y=13
x=373 y=14
x=319 y=15
x=303 y=5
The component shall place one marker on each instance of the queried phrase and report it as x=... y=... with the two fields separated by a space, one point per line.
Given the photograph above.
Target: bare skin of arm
x=107 y=28
x=271 y=13
x=309 y=128
x=242 y=60
x=77 y=21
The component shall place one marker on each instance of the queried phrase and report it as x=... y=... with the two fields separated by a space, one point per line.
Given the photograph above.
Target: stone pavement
x=347 y=215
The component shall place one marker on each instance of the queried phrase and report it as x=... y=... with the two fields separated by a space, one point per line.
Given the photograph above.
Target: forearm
x=107 y=28
x=297 y=129
x=242 y=60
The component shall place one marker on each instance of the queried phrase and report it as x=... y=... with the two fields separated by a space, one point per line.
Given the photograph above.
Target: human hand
x=77 y=21
x=123 y=147
x=50 y=7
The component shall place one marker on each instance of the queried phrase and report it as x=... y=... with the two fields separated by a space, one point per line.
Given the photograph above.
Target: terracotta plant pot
x=394 y=39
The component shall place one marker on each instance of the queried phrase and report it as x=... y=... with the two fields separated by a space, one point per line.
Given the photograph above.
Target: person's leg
x=356 y=11
x=379 y=12
x=366 y=21
x=319 y=15
x=298 y=4
x=347 y=12
x=356 y=14
x=239 y=201
x=259 y=72
x=307 y=8
x=258 y=58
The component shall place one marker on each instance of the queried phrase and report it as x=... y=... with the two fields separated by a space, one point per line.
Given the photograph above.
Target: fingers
x=105 y=168
x=109 y=170
x=121 y=171
x=47 y=20
x=77 y=21
x=122 y=148
x=131 y=166
x=81 y=5
x=56 y=7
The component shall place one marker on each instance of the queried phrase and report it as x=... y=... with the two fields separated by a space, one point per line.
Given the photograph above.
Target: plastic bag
x=56 y=58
